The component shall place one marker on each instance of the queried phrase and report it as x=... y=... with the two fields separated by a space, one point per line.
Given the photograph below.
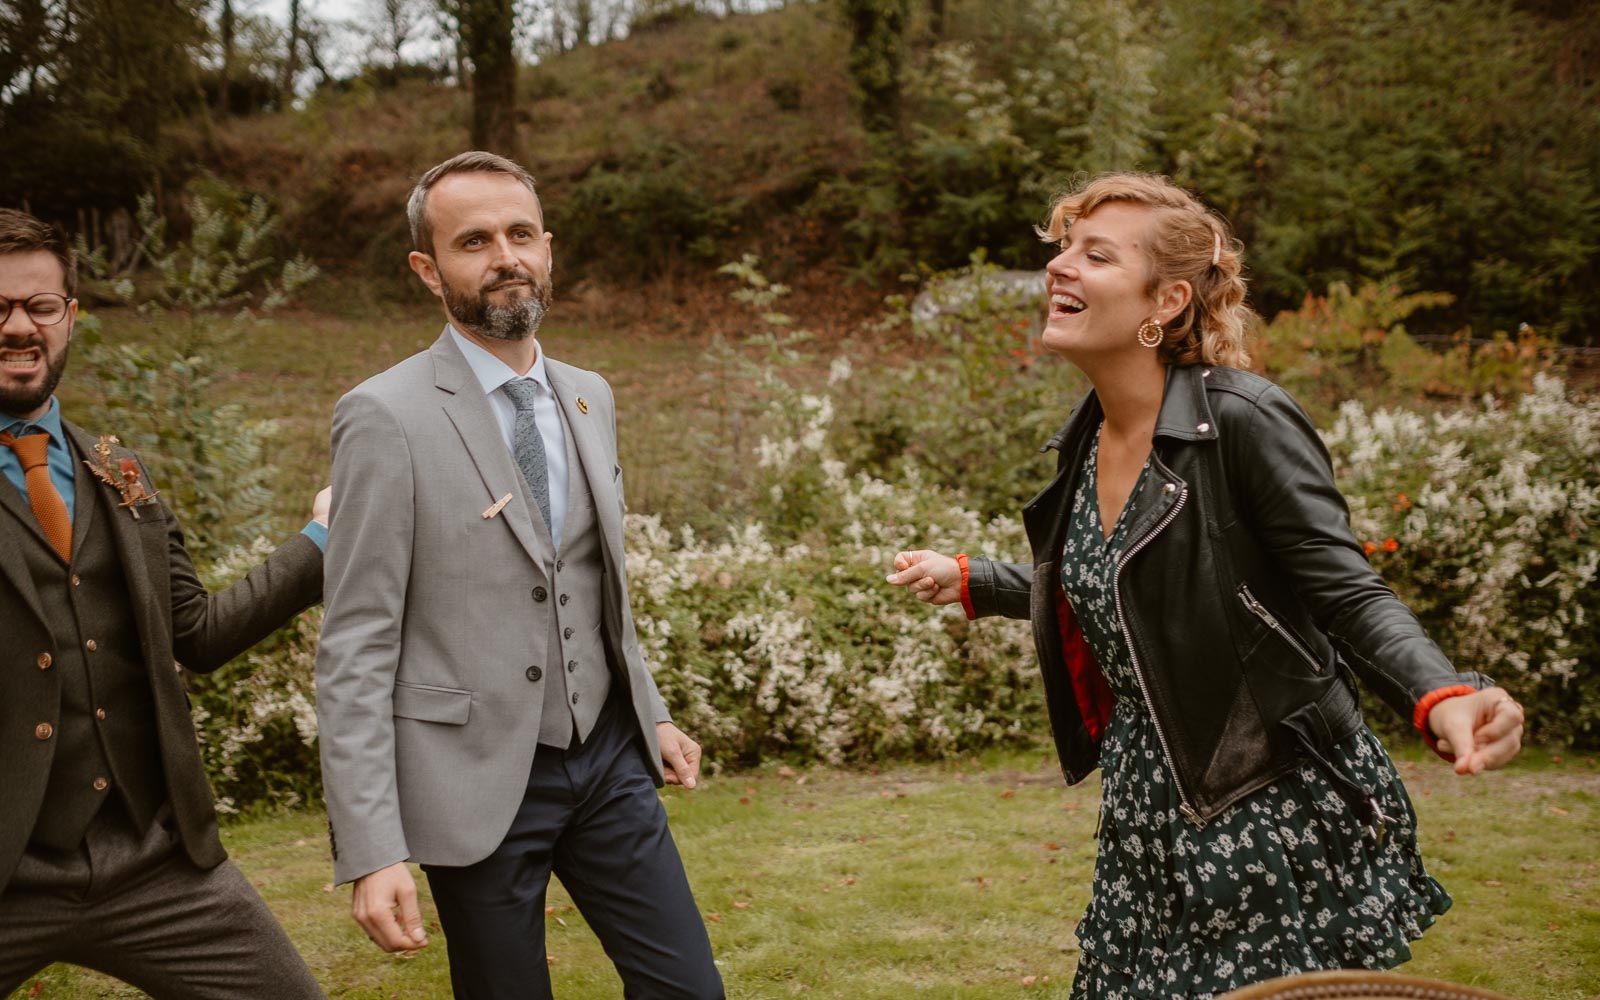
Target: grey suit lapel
x=587 y=439
x=468 y=410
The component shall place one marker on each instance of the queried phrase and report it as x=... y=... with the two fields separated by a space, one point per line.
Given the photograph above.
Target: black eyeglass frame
x=27 y=308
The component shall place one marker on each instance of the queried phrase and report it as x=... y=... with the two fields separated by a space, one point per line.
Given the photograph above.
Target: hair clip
x=1216 y=248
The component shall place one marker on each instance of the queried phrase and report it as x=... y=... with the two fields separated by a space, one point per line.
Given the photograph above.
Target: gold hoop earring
x=1151 y=334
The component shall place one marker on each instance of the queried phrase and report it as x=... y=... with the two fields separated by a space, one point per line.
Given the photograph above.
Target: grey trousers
x=135 y=907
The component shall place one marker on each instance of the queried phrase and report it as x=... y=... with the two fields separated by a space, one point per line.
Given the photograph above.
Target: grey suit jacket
x=427 y=713
x=177 y=620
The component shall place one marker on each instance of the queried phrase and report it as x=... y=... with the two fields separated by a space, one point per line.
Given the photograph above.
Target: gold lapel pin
x=497 y=507
x=583 y=405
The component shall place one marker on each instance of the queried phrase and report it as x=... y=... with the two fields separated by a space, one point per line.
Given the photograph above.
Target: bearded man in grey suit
x=484 y=709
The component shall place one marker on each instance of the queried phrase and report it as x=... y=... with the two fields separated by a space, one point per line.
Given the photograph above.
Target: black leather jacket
x=1243 y=596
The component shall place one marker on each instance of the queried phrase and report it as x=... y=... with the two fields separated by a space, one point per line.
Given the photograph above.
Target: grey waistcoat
x=576 y=677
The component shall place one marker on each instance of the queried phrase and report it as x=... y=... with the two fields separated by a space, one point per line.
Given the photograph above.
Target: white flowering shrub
x=781 y=637
x=1486 y=519
x=256 y=717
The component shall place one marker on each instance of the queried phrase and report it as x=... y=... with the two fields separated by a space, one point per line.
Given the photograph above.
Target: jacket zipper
x=1184 y=807
x=1260 y=611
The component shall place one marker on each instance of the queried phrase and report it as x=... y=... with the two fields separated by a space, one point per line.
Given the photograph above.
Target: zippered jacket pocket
x=1262 y=612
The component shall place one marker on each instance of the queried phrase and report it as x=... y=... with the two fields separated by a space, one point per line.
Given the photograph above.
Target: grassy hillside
x=1450 y=147
x=658 y=156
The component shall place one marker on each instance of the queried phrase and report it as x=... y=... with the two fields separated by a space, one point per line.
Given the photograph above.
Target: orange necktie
x=47 y=504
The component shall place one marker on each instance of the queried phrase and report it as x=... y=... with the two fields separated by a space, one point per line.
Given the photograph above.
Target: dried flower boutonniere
x=124 y=480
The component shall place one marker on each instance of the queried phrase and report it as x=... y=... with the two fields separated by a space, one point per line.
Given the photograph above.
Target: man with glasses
x=109 y=855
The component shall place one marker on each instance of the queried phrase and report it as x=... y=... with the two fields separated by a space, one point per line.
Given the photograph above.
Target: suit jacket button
x=101 y=784
x=43 y=661
x=534 y=673
x=43 y=731
x=539 y=594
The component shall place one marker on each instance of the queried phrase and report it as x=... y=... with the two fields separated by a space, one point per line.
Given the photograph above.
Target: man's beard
x=517 y=320
x=18 y=400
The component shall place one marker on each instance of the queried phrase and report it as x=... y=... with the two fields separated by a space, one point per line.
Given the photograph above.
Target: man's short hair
x=474 y=162
x=22 y=233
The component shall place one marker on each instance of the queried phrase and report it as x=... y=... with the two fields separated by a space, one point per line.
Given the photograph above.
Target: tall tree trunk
x=225 y=32
x=877 y=53
x=936 y=19
x=583 y=19
x=486 y=28
x=291 y=62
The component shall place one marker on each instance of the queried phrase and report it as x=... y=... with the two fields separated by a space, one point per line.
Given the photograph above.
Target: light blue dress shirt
x=59 y=457
x=492 y=373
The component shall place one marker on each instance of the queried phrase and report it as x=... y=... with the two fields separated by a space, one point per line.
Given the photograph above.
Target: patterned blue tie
x=529 y=443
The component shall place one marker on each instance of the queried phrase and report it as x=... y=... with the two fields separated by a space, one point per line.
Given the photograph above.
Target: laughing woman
x=1201 y=608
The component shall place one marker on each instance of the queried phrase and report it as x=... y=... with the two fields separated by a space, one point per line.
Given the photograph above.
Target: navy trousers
x=592 y=816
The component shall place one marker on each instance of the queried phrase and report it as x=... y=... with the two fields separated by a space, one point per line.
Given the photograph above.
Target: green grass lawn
x=965 y=879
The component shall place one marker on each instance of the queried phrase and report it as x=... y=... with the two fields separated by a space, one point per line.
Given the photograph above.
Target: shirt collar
x=490 y=371
x=50 y=422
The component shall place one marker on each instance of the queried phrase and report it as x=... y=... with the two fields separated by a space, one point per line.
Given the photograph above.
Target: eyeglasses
x=44 y=308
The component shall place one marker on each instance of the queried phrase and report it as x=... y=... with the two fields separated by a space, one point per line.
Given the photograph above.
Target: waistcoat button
x=101 y=784
x=572 y=665
x=100 y=714
x=43 y=731
x=534 y=673
x=563 y=599
x=574 y=697
x=91 y=645
x=43 y=661
x=566 y=633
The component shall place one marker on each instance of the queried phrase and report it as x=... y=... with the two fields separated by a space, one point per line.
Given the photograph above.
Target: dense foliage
x=1450 y=146
x=774 y=635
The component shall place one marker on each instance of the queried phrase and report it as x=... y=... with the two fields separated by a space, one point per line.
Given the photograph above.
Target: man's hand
x=930 y=577
x=1482 y=730
x=679 y=754
x=376 y=898
x=321 y=505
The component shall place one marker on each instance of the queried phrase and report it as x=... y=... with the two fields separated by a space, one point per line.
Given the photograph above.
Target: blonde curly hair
x=1190 y=243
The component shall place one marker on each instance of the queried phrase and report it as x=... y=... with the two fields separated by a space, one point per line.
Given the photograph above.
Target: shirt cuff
x=966 y=594
x=1419 y=716
x=318 y=533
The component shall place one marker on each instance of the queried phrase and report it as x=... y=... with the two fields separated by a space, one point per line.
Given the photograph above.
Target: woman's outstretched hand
x=1483 y=730
x=928 y=576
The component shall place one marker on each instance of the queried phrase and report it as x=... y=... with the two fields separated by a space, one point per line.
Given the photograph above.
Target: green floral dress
x=1286 y=881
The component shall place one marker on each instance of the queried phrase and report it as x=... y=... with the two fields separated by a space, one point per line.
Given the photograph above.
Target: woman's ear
x=1172 y=300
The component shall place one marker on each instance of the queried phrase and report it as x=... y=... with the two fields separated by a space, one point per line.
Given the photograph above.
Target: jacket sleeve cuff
x=1419 y=717
x=966 y=593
